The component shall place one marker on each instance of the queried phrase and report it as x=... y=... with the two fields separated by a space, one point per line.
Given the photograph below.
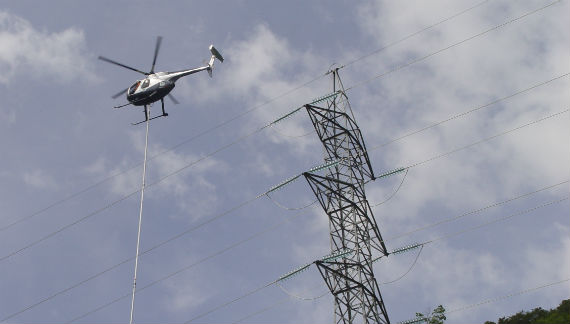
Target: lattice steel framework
x=352 y=225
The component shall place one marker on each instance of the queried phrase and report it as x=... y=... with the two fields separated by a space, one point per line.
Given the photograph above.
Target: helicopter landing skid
x=146 y=113
x=121 y=106
x=155 y=117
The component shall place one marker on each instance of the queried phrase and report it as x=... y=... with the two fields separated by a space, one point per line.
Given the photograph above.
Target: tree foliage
x=437 y=316
x=559 y=315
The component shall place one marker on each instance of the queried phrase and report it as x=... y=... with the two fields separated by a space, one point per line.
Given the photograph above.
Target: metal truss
x=341 y=194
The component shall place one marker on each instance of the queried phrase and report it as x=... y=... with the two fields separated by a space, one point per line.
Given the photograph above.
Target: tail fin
x=215 y=55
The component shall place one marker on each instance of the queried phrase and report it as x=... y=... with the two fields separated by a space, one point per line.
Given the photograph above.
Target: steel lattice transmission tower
x=352 y=225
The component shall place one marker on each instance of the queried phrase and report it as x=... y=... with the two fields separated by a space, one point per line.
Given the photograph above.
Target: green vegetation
x=559 y=315
x=437 y=316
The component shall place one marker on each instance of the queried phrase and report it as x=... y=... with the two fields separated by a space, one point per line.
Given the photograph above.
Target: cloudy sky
x=71 y=165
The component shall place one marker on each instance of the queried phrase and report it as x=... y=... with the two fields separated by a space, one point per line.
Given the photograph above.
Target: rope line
x=147 y=113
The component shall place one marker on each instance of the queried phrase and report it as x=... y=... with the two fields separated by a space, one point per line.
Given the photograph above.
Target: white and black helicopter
x=158 y=85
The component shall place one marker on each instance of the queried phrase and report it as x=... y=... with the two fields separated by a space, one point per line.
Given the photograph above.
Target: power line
x=488 y=139
x=414 y=34
x=450 y=46
x=229 y=145
x=216 y=308
x=226 y=122
x=172 y=148
x=394 y=193
x=467 y=112
x=230 y=247
x=476 y=211
x=247 y=202
x=500 y=298
x=61 y=229
x=265 y=231
x=446 y=236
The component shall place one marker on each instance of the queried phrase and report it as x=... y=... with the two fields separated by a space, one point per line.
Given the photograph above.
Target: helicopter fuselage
x=156 y=86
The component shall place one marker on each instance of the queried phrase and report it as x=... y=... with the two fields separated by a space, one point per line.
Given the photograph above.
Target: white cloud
x=60 y=56
x=190 y=189
x=257 y=70
x=550 y=263
x=39 y=179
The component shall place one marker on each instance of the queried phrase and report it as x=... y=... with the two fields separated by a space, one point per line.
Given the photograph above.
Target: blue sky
x=59 y=135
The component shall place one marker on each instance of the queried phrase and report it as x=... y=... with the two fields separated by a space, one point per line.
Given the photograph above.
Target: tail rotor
x=215 y=55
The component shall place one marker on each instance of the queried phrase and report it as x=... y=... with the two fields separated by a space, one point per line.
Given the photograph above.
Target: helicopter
x=156 y=86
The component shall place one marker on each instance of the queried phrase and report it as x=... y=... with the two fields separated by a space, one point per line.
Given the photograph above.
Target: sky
x=472 y=96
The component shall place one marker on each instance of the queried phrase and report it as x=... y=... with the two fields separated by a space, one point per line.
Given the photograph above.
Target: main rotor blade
x=156 y=48
x=173 y=99
x=119 y=93
x=119 y=64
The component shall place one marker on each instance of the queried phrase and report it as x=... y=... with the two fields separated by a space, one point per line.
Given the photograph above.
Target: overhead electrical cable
x=358 y=84
x=414 y=34
x=467 y=112
x=180 y=170
x=409 y=269
x=449 y=235
x=273 y=188
x=172 y=148
x=393 y=193
x=236 y=299
x=486 y=139
x=258 y=130
x=484 y=302
x=172 y=238
x=212 y=153
x=191 y=164
x=301 y=297
x=263 y=310
x=421 y=245
x=476 y=211
x=228 y=121
x=238 y=244
x=500 y=298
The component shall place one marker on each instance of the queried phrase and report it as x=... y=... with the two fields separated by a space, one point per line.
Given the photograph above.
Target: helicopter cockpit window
x=134 y=87
x=145 y=83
